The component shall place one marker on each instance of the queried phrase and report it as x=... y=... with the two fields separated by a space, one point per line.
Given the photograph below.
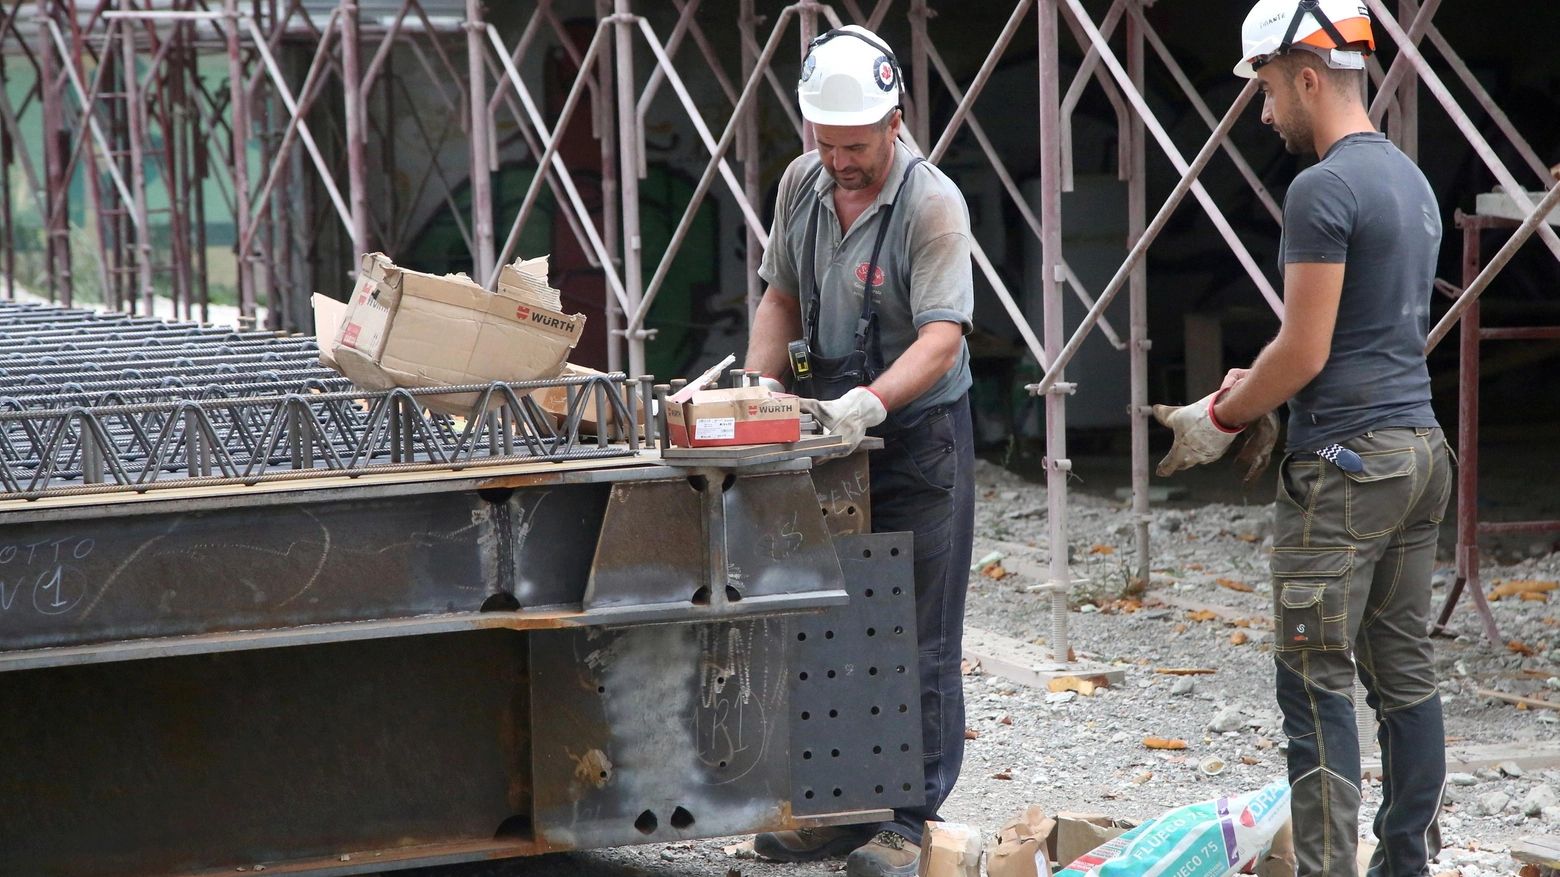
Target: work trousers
x=923 y=481
x=1352 y=558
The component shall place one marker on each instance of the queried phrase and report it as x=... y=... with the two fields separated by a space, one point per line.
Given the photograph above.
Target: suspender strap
x=1314 y=8
x=866 y=323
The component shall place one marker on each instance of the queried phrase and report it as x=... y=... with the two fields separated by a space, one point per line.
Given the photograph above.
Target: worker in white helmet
x=1367 y=475
x=869 y=298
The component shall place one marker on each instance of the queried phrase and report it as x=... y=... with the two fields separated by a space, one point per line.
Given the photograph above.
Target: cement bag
x=1208 y=839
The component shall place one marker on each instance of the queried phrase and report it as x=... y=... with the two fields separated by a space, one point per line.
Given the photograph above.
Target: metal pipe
x=1497 y=115
x=614 y=282
x=1534 y=221
x=1387 y=87
x=637 y=318
x=481 y=161
x=606 y=128
x=1168 y=145
x=135 y=116
x=755 y=225
x=1053 y=374
x=1201 y=106
x=1514 y=190
x=1403 y=127
x=1137 y=218
x=749 y=151
x=570 y=104
x=1056 y=464
x=239 y=150
x=978 y=84
x=630 y=142
x=357 y=129
x=807 y=14
x=920 y=84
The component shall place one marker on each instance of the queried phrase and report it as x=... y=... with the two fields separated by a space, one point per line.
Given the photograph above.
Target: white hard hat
x=1326 y=27
x=850 y=77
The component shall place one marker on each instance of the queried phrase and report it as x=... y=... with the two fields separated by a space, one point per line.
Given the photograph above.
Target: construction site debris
x=404 y=328
x=1279 y=860
x=1186 y=671
x=1521 y=702
x=949 y=849
x=1521 y=588
x=1084 y=686
x=1184 y=685
x=1211 y=766
x=1019 y=848
x=1227 y=720
x=1163 y=743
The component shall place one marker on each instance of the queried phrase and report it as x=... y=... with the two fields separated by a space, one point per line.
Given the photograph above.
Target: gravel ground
x=1086 y=754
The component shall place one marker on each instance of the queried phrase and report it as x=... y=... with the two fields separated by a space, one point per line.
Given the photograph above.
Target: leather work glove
x=773 y=385
x=1261 y=434
x=1198 y=438
x=850 y=416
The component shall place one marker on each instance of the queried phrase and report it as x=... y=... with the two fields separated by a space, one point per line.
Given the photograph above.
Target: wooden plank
x=1228 y=613
x=1529 y=702
x=1028 y=664
x=1541 y=849
x=1467 y=759
x=752 y=455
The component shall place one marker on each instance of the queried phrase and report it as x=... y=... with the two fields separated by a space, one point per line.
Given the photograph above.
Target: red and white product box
x=737 y=416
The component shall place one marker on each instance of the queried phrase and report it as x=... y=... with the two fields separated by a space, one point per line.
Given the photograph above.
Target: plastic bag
x=1208 y=839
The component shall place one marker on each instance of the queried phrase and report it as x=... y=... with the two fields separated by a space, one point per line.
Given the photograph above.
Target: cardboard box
x=328 y=316
x=1019 y=848
x=736 y=416
x=555 y=401
x=949 y=849
x=1079 y=833
x=404 y=328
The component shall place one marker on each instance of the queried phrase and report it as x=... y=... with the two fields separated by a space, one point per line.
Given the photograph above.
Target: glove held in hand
x=849 y=416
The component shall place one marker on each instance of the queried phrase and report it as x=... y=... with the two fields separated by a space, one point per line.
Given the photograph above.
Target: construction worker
x=1365 y=481
x=868 y=266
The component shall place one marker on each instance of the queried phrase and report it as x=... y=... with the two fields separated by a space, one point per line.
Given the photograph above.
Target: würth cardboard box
x=404 y=328
x=736 y=416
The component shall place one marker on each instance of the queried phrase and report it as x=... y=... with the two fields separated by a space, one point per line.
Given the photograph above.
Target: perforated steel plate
x=855 y=696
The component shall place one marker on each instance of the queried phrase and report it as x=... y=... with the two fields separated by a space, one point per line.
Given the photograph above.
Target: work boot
x=888 y=855
x=809 y=844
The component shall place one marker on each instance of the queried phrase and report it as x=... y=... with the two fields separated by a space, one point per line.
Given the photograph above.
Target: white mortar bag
x=1208 y=839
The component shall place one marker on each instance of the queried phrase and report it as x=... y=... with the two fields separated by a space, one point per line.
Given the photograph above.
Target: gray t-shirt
x=924 y=272
x=1367 y=205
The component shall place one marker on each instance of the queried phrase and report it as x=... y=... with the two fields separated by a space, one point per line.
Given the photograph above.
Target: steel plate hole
x=838 y=792
x=646 y=823
x=898 y=591
x=801 y=637
x=828 y=634
x=877 y=750
x=900 y=669
x=850 y=510
x=866 y=552
x=802 y=676
x=723 y=765
x=730 y=479
x=831 y=674
x=806 y=716
x=807 y=755
x=697 y=482
x=869 y=592
x=878 y=789
x=871 y=631
x=876 y=710
x=720 y=680
x=898 y=630
x=904 y=708
x=834 y=714
x=517 y=826
x=733 y=595
x=503 y=601
x=682 y=819
x=601 y=689
x=808 y=795
x=871 y=671
x=904 y=747
x=893 y=552
x=834 y=754
x=701 y=597
x=825 y=513
x=906 y=787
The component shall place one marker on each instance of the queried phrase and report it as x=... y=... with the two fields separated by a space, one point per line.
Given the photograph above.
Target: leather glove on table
x=773 y=385
x=849 y=416
x=1198 y=437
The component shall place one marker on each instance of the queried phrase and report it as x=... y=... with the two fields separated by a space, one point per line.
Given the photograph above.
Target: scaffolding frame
x=119 y=88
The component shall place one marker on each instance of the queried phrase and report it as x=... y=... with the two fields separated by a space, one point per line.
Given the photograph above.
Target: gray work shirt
x=1365 y=204
x=924 y=272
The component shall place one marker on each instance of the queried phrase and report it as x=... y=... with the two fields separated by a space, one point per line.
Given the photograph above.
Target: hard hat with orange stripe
x=1337 y=30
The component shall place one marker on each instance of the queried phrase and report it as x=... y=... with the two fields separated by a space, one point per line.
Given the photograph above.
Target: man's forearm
x=1277 y=375
x=927 y=359
x=776 y=323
